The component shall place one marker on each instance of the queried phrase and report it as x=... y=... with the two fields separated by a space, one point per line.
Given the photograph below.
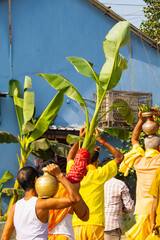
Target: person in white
x=29 y=216
x=117 y=200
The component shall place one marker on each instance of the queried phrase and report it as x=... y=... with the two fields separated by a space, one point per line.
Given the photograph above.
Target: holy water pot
x=149 y=127
x=46 y=186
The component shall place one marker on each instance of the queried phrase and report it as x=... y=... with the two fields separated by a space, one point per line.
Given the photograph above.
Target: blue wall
x=44 y=33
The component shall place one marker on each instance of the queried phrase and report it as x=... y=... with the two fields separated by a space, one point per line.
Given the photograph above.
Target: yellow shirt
x=92 y=192
x=155 y=191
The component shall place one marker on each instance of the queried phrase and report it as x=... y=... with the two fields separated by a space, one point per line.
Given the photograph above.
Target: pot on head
x=46 y=186
x=150 y=127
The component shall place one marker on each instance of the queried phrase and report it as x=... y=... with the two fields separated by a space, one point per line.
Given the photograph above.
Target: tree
x=108 y=78
x=31 y=129
x=152 y=25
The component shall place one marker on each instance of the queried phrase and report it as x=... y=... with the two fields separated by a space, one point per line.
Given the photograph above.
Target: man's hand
x=99 y=139
x=53 y=169
x=82 y=132
x=140 y=116
x=157 y=112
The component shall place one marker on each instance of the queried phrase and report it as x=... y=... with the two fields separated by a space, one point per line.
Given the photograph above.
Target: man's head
x=105 y=161
x=26 y=177
x=94 y=158
x=152 y=142
x=46 y=163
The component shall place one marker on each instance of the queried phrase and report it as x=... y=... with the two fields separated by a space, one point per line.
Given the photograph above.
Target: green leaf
x=28 y=106
x=47 y=117
x=120 y=133
x=125 y=111
x=3 y=218
x=27 y=128
x=41 y=148
x=41 y=144
x=18 y=103
x=71 y=139
x=112 y=69
x=14 y=88
x=62 y=84
x=27 y=83
x=6 y=176
x=6 y=137
x=84 y=67
x=12 y=191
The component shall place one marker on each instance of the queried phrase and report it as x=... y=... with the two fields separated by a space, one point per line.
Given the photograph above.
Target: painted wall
x=44 y=33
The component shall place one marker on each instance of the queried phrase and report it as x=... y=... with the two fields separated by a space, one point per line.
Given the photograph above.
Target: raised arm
x=74 y=149
x=54 y=170
x=137 y=129
x=116 y=153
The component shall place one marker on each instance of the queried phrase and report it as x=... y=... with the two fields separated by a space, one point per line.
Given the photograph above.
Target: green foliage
x=152 y=25
x=6 y=177
x=30 y=128
x=145 y=107
x=108 y=78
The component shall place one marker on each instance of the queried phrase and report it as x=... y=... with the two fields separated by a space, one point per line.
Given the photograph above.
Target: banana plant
x=108 y=78
x=6 y=176
x=30 y=129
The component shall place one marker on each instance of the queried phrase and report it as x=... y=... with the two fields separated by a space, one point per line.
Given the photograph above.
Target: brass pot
x=149 y=127
x=46 y=186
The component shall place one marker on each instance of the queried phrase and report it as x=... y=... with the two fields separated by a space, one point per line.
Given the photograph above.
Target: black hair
x=26 y=177
x=46 y=163
x=94 y=156
x=105 y=161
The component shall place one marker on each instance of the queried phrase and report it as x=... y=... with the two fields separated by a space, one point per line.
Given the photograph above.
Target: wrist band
x=104 y=141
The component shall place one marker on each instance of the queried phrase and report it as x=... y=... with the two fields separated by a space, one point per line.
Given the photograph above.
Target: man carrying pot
x=145 y=163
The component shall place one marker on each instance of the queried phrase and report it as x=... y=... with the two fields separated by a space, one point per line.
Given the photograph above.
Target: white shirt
x=117 y=199
x=27 y=225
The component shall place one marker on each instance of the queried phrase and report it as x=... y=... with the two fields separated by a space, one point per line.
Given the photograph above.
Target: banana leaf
x=47 y=117
x=84 y=67
x=111 y=71
x=14 y=88
x=6 y=137
x=125 y=111
x=41 y=148
x=27 y=83
x=15 y=92
x=120 y=133
x=6 y=176
x=71 y=139
x=28 y=106
x=12 y=191
x=27 y=128
x=60 y=83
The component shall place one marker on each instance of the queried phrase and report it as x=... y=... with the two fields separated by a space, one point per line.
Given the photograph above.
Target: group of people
x=90 y=200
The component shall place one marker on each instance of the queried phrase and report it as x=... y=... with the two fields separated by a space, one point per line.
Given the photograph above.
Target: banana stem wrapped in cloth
x=78 y=169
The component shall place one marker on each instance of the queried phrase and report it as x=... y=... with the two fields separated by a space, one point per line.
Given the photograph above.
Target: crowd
x=91 y=200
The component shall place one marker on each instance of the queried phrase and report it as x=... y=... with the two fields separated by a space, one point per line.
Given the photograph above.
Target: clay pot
x=149 y=127
x=46 y=186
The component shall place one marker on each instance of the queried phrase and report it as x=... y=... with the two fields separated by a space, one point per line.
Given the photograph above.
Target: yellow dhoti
x=141 y=229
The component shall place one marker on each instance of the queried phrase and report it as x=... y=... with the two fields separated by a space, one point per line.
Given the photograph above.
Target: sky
x=130 y=10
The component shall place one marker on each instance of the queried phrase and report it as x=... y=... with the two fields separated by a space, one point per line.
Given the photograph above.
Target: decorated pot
x=150 y=127
x=46 y=186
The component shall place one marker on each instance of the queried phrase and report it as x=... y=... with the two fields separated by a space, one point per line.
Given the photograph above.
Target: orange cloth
x=56 y=216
